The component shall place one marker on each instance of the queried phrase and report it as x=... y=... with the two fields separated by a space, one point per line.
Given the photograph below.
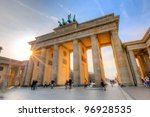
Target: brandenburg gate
x=51 y=52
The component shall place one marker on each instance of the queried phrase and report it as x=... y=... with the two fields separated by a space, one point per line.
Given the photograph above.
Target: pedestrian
x=33 y=85
x=45 y=84
x=147 y=81
x=103 y=85
x=52 y=84
x=85 y=82
x=66 y=84
x=70 y=84
x=111 y=82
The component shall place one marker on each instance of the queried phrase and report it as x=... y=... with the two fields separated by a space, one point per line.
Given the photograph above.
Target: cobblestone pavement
x=59 y=93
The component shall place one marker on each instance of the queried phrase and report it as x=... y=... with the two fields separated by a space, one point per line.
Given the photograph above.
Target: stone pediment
x=99 y=24
x=65 y=28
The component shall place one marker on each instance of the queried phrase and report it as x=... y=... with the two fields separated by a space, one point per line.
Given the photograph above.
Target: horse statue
x=69 y=18
x=60 y=24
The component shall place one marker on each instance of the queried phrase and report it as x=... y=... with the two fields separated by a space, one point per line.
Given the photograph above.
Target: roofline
x=116 y=18
x=9 y=59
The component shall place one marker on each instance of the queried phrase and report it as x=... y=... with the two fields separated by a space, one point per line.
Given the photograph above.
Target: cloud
x=67 y=11
x=99 y=7
x=124 y=12
x=54 y=18
x=36 y=11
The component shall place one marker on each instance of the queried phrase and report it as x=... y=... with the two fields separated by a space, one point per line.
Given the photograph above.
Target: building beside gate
x=12 y=72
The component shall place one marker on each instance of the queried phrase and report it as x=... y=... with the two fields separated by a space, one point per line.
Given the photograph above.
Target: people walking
x=103 y=85
x=45 y=84
x=85 y=82
x=52 y=84
x=147 y=82
x=33 y=85
x=111 y=82
x=70 y=84
x=66 y=84
x=36 y=84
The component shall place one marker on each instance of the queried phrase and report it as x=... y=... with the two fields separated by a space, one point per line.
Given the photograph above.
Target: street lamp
x=0 y=49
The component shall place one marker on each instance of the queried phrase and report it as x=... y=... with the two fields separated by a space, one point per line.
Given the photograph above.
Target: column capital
x=43 y=48
x=93 y=36
x=75 y=41
x=114 y=32
x=55 y=46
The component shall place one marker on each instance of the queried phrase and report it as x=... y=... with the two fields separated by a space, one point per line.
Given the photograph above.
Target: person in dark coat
x=85 y=83
x=66 y=84
x=70 y=84
x=103 y=85
x=32 y=85
x=52 y=84
x=35 y=86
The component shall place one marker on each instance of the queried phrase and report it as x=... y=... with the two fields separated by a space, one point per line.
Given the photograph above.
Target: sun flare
x=22 y=50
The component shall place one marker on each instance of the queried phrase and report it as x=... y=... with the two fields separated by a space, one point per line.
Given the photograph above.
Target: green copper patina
x=74 y=18
x=60 y=24
x=63 y=22
x=68 y=21
x=69 y=18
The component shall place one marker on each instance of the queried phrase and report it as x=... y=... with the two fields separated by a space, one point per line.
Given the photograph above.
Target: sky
x=22 y=20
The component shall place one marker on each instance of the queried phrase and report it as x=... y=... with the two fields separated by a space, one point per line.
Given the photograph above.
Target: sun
x=22 y=50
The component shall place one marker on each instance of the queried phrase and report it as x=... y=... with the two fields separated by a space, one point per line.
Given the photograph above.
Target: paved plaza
x=81 y=93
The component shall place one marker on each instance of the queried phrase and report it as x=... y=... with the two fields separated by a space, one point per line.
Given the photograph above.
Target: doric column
x=102 y=66
x=48 y=66
x=146 y=62
x=18 y=76
x=63 y=66
x=96 y=59
x=55 y=63
x=120 y=59
x=135 y=68
x=76 y=68
x=148 y=49
x=83 y=65
x=5 y=81
x=27 y=75
x=41 y=66
x=142 y=69
x=25 y=72
x=35 y=70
